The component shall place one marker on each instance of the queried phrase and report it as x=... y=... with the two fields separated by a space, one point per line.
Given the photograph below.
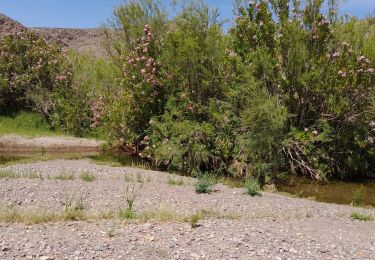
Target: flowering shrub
x=281 y=91
x=33 y=74
x=325 y=84
x=142 y=93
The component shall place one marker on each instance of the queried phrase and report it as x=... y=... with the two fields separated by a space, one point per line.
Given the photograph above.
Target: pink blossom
x=341 y=73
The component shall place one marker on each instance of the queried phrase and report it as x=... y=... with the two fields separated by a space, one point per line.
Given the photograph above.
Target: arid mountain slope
x=81 y=40
x=8 y=25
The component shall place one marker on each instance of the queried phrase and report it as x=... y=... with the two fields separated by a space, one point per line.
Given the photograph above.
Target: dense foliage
x=287 y=89
x=33 y=74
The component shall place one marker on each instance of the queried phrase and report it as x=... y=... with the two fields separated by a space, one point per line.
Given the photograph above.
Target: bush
x=33 y=75
x=94 y=83
x=204 y=184
x=325 y=84
x=287 y=89
x=252 y=187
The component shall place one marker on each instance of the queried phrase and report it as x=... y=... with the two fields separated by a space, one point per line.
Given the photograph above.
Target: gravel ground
x=271 y=226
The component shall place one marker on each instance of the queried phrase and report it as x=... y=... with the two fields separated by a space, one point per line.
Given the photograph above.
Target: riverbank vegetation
x=288 y=89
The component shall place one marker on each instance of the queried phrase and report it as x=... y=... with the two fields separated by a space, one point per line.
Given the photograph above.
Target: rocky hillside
x=81 y=40
x=8 y=25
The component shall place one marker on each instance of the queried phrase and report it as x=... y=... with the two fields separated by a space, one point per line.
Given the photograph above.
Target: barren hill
x=81 y=40
x=8 y=25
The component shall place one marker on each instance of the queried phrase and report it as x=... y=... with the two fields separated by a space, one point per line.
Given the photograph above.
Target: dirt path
x=14 y=143
x=232 y=225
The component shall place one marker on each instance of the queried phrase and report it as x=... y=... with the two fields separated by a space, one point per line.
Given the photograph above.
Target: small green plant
x=88 y=177
x=175 y=182
x=131 y=195
x=64 y=176
x=127 y=214
x=73 y=208
x=358 y=196
x=361 y=217
x=13 y=215
x=252 y=187
x=7 y=174
x=194 y=219
x=204 y=184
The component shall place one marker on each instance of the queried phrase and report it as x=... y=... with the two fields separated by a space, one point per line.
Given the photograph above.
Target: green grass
x=175 y=182
x=65 y=176
x=26 y=124
x=204 y=184
x=252 y=187
x=13 y=215
x=88 y=177
x=119 y=160
x=361 y=217
x=38 y=157
x=8 y=174
x=127 y=214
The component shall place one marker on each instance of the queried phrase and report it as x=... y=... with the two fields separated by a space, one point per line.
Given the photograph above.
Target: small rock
x=46 y=258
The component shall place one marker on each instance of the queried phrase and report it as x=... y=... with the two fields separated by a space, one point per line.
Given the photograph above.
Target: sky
x=92 y=13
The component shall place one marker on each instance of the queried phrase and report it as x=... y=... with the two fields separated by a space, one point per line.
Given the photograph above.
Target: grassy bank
x=26 y=124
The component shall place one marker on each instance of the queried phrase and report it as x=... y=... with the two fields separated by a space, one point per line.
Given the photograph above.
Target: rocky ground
x=231 y=225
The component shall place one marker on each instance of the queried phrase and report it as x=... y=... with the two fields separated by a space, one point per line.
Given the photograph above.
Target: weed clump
x=194 y=219
x=204 y=184
x=65 y=176
x=361 y=217
x=131 y=195
x=252 y=187
x=175 y=182
x=73 y=208
x=88 y=177
x=358 y=196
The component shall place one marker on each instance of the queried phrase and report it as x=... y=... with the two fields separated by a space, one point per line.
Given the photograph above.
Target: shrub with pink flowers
x=33 y=74
x=142 y=93
x=284 y=90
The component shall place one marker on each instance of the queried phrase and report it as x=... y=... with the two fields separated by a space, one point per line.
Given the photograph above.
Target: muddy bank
x=14 y=143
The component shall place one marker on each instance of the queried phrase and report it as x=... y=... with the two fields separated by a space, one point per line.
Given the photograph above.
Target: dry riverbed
x=34 y=199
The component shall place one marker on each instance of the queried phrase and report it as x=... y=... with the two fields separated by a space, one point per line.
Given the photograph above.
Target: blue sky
x=92 y=13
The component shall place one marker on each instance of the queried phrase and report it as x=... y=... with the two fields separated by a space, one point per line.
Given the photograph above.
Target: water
x=339 y=192
x=112 y=159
